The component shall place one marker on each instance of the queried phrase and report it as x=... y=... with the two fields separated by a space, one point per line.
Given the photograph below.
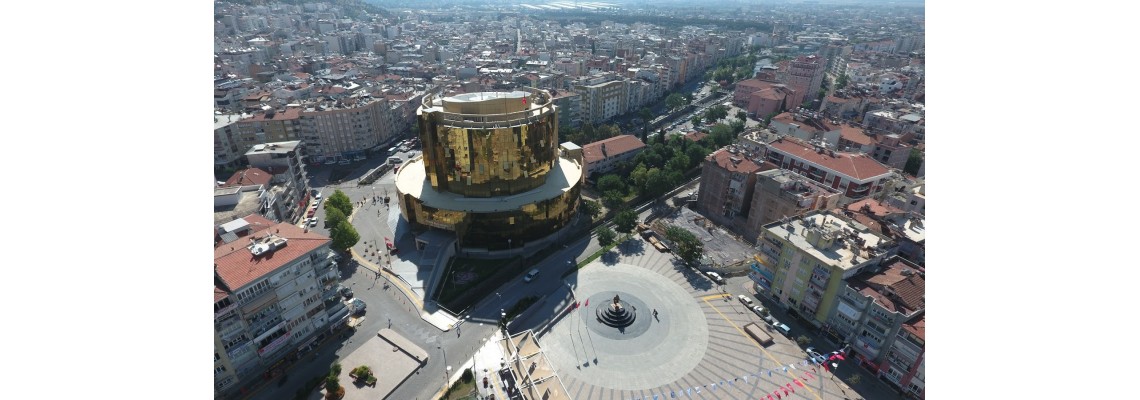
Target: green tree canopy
x=606 y=236
x=611 y=182
x=679 y=162
x=741 y=115
x=695 y=154
x=334 y=217
x=340 y=201
x=625 y=220
x=716 y=113
x=656 y=182
x=591 y=208
x=344 y=236
x=613 y=199
x=637 y=177
x=913 y=162
x=696 y=121
x=689 y=248
x=674 y=100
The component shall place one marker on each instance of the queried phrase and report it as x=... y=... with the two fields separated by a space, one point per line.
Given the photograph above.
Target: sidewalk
x=486 y=363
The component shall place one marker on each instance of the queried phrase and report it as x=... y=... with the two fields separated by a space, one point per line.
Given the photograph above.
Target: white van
x=530 y=275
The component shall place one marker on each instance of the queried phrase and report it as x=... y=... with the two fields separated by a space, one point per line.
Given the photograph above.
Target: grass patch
x=462 y=389
x=598 y=254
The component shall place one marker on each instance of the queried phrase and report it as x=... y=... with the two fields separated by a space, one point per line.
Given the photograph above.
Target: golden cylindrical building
x=491 y=169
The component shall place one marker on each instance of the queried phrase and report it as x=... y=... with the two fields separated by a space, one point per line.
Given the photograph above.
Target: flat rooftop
x=841 y=253
x=412 y=179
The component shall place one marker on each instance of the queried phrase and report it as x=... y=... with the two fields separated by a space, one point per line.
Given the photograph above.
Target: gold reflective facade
x=495 y=230
x=491 y=169
x=489 y=144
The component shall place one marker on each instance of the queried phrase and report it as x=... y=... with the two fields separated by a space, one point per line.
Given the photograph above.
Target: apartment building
x=347 y=128
x=780 y=193
x=804 y=261
x=727 y=182
x=286 y=197
x=603 y=155
x=855 y=175
x=881 y=313
x=805 y=75
x=603 y=100
x=227 y=140
x=269 y=125
x=569 y=105
x=273 y=297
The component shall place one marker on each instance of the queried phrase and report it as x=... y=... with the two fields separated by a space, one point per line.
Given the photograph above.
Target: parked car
x=715 y=277
x=784 y=329
x=357 y=306
x=744 y=299
x=530 y=275
x=346 y=292
x=313 y=222
x=758 y=310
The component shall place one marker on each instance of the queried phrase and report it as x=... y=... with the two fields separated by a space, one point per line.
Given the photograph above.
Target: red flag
x=790 y=387
x=587 y=302
x=785 y=391
x=778 y=394
x=797 y=381
x=809 y=375
x=769 y=397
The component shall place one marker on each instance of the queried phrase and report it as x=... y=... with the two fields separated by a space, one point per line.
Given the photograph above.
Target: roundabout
x=614 y=339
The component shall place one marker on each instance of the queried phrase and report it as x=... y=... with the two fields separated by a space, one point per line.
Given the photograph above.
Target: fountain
x=617 y=314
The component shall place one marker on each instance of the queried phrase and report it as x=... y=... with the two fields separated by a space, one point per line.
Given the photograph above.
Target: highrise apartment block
x=273 y=297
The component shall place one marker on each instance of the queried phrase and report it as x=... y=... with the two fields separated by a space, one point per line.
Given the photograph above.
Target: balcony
x=273 y=346
x=223 y=312
x=867 y=347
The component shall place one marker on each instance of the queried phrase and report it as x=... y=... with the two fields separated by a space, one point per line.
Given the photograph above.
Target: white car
x=744 y=299
x=313 y=222
x=715 y=277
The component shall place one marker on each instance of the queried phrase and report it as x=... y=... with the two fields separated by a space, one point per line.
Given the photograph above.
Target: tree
x=689 y=248
x=344 y=236
x=678 y=163
x=674 y=100
x=637 y=177
x=606 y=236
x=696 y=121
x=591 y=208
x=741 y=115
x=333 y=390
x=841 y=82
x=913 y=162
x=340 y=201
x=721 y=135
x=613 y=199
x=716 y=113
x=334 y=217
x=695 y=154
x=656 y=182
x=625 y=220
x=803 y=340
x=611 y=182
x=737 y=126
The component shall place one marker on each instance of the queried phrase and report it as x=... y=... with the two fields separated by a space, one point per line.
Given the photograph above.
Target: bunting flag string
x=811 y=363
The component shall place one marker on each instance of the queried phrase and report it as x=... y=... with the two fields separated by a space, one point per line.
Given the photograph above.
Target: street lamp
x=446 y=371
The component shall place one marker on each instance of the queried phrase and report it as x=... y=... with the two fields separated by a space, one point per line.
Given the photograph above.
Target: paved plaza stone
x=650 y=353
x=695 y=349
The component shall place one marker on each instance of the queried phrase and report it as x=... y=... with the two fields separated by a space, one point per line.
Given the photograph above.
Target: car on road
x=357 y=306
x=313 y=222
x=783 y=328
x=744 y=299
x=530 y=275
x=715 y=277
x=758 y=310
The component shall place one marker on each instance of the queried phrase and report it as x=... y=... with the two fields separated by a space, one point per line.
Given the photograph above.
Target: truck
x=758 y=334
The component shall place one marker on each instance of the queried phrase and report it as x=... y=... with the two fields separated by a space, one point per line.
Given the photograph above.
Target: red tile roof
x=695 y=136
x=908 y=289
x=855 y=134
x=237 y=267
x=248 y=176
x=614 y=146
x=724 y=160
x=857 y=166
